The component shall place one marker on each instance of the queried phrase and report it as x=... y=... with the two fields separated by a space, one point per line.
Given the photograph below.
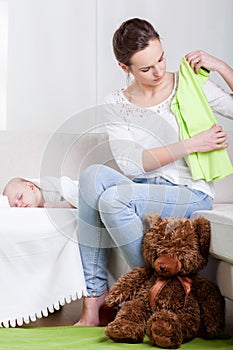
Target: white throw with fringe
x=40 y=265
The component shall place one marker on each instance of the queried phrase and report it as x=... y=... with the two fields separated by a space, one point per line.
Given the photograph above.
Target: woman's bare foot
x=91 y=307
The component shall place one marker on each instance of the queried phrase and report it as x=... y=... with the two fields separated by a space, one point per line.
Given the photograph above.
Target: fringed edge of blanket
x=26 y=319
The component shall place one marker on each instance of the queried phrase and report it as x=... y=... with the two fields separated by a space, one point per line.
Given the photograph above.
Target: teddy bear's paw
x=164 y=331
x=112 y=300
x=125 y=332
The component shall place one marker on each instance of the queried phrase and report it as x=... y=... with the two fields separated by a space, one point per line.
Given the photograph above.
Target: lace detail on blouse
x=132 y=111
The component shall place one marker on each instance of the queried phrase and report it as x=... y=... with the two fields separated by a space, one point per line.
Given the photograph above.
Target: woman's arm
x=208 y=140
x=199 y=58
x=134 y=159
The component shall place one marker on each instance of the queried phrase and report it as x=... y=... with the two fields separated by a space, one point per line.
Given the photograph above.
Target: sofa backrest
x=34 y=155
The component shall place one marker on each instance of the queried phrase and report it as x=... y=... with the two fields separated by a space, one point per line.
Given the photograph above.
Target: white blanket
x=4 y=203
x=40 y=265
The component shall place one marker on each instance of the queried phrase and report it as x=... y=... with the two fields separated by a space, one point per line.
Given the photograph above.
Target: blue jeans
x=111 y=211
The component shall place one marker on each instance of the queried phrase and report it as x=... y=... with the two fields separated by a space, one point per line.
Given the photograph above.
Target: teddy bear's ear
x=203 y=231
x=150 y=220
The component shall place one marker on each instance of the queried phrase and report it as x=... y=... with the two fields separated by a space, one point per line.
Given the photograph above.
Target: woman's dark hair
x=132 y=36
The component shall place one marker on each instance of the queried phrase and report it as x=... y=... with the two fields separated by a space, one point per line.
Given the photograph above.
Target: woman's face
x=149 y=65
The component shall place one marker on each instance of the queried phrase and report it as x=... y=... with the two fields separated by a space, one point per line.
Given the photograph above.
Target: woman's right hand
x=207 y=140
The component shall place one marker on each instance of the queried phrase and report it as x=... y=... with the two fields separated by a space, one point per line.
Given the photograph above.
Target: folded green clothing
x=194 y=114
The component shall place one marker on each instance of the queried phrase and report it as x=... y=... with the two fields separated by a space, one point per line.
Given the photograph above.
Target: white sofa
x=31 y=155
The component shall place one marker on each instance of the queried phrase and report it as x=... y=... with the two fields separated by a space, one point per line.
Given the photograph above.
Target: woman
x=144 y=139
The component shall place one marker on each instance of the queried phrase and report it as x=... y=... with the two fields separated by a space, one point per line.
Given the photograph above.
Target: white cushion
x=221 y=219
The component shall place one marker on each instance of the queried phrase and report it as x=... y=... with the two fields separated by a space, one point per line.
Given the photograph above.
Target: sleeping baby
x=49 y=192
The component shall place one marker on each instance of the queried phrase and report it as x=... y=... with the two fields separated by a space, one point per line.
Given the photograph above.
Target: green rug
x=86 y=338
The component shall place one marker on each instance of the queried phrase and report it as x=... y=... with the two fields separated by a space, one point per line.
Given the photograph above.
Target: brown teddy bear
x=167 y=299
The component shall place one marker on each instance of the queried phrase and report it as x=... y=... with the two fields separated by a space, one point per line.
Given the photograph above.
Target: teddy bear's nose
x=168 y=265
x=162 y=267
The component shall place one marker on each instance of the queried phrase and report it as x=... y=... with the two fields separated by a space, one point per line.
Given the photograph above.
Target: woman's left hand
x=199 y=58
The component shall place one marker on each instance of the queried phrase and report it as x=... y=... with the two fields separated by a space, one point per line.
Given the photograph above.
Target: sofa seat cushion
x=221 y=219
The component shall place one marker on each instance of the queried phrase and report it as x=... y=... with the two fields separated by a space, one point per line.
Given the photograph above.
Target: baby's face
x=24 y=195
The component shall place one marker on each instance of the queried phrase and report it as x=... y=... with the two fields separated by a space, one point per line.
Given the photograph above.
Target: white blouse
x=132 y=129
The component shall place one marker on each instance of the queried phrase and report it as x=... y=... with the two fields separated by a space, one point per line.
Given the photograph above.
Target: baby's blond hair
x=10 y=183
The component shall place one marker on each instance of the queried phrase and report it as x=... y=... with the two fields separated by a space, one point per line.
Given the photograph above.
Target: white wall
x=183 y=25
x=60 y=59
x=51 y=61
x=3 y=62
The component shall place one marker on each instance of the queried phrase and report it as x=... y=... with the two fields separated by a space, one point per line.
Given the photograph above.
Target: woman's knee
x=106 y=200
x=96 y=179
x=113 y=201
x=108 y=207
x=89 y=173
x=95 y=175
x=100 y=177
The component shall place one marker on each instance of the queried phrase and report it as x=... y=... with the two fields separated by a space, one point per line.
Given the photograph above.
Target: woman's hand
x=207 y=140
x=199 y=58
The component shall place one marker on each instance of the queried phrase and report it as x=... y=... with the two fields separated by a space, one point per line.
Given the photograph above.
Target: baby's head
x=23 y=193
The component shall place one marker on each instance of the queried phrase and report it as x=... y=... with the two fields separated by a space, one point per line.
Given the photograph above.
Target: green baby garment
x=193 y=114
